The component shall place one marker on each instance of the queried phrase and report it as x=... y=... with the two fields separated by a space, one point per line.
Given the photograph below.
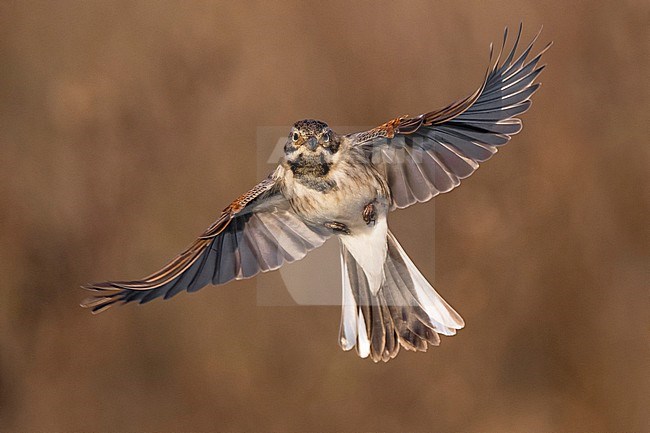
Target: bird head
x=311 y=138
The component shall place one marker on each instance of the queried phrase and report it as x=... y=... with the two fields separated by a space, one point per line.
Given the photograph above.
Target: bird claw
x=338 y=227
x=369 y=214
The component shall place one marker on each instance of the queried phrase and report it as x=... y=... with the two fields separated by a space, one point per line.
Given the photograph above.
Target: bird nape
x=344 y=186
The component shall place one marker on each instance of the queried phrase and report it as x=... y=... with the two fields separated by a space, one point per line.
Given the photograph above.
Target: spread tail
x=406 y=311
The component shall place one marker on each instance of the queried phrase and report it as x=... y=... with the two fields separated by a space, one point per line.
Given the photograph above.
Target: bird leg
x=338 y=227
x=369 y=214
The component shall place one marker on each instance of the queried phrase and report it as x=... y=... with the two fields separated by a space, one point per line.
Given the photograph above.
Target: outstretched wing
x=429 y=154
x=257 y=232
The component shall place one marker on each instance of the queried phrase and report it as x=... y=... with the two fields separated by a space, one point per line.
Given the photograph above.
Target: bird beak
x=312 y=143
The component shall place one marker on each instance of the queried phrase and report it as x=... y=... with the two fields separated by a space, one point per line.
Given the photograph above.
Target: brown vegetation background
x=126 y=126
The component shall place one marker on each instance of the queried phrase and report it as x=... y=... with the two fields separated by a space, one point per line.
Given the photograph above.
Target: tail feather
x=406 y=311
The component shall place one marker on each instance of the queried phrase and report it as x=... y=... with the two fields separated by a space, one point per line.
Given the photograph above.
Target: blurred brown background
x=126 y=126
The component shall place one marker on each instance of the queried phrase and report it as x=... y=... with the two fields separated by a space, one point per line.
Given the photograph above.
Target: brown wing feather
x=239 y=244
x=425 y=155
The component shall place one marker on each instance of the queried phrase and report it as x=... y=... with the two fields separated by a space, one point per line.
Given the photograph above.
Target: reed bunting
x=329 y=184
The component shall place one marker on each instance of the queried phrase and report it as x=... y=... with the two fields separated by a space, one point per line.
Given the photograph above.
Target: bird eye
x=295 y=136
x=326 y=137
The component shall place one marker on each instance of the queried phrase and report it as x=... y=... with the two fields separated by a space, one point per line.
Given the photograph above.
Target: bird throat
x=312 y=171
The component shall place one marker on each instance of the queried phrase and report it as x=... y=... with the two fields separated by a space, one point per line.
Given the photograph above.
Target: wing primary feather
x=507 y=100
x=499 y=71
x=516 y=65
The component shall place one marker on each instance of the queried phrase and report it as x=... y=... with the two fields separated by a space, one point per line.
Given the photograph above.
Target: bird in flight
x=329 y=184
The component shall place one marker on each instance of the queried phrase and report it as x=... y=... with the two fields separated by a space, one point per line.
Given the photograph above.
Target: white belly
x=368 y=246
